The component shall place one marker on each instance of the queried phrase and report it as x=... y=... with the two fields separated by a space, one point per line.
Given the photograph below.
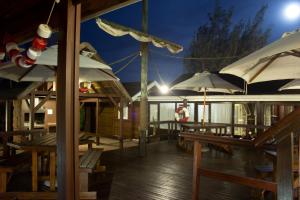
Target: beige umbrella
x=276 y=61
x=45 y=69
x=293 y=85
x=118 y=30
x=206 y=82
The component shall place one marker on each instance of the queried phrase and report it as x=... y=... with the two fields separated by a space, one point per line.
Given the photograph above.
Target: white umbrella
x=206 y=82
x=276 y=61
x=44 y=70
x=292 y=85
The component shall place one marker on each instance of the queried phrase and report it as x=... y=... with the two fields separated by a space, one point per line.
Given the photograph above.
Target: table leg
x=3 y=181
x=34 y=171
x=196 y=170
x=52 y=170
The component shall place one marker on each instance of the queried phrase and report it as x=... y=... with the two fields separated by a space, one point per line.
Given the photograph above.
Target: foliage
x=224 y=41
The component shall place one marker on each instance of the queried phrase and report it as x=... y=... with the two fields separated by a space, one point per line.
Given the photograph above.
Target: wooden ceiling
x=21 y=18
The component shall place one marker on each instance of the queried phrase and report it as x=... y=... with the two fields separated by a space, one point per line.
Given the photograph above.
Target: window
x=221 y=113
x=125 y=113
x=26 y=117
x=240 y=117
x=39 y=118
x=200 y=113
x=267 y=114
x=167 y=112
x=153 y=113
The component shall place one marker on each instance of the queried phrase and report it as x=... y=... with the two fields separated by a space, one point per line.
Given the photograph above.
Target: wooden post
x=68 y=101
x=18 y=121
x=204 y=105
x=209 y=112
x=196 y=113
x=52 y=170
x=232 y=118
x=34 y=171
x=285 y=168
x=97 y=123
x=8 y=127
x=196 y=169
x=144 y=83
x=259 y=116
x=121 y=125
x=32 y=97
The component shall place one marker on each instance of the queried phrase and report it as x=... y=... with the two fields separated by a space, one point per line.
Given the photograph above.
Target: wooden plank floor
x=166 y=173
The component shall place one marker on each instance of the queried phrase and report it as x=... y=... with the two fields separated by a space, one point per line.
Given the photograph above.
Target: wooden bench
x=89 y=163
x=10 y=165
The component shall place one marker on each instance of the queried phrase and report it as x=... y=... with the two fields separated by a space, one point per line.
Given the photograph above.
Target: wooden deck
x=166 y=173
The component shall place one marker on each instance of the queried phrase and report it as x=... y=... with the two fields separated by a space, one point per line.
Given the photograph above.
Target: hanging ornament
x=39 y=44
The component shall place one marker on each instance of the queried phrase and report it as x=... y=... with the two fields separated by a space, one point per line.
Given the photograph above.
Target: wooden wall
x=109 y=123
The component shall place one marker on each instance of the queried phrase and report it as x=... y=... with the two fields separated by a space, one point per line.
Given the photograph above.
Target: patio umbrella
x=45 y=69
x=276 y=61
x=206 y=82
x=293 y=85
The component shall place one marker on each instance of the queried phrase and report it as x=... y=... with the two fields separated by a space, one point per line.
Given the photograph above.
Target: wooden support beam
x=121 y=126
x=285 y=168
x=32 y=97
x=97 y=122
x=29 y=89
x=144 y=84
x=232 y=117
x=27 y=103
x=109 y=96
x=68 y=101
x=41 y=103
x=259 y=116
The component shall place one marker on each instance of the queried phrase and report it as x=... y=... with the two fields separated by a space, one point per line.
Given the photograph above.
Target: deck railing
x=282 y=133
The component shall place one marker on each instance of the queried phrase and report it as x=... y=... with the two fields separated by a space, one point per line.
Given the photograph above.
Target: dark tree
x=224 y=41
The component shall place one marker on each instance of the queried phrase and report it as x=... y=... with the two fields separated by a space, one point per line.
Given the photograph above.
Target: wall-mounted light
x=164 y=89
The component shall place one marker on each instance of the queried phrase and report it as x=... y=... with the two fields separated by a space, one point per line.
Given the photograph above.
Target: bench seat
x=10 y=165
x=89 y=163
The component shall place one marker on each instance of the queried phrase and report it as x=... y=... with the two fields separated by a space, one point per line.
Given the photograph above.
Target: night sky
x=177 y=21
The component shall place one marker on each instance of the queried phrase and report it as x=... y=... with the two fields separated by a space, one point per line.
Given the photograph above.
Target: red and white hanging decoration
x=38 y=45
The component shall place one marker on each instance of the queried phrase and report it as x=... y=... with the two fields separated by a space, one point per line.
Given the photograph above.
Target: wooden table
x=220 y=128
x=45 y=143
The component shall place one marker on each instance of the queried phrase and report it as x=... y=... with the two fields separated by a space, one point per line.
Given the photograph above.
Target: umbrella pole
x=204 y=103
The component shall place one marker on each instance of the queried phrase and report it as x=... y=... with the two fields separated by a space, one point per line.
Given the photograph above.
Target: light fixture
x=164 y=89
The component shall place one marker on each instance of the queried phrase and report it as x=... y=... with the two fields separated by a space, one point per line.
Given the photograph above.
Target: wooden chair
x=89 y=163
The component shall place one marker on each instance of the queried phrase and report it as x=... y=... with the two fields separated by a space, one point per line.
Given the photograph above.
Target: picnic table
x=45 y=143
x=198 y=127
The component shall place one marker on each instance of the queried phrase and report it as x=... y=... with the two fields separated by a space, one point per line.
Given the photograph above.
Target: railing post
x=285 y=168
x=196 y=169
